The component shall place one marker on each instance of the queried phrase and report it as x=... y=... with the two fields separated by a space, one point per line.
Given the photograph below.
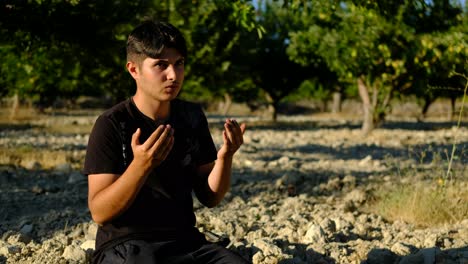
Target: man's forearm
x=219 y=180
x=113 y=200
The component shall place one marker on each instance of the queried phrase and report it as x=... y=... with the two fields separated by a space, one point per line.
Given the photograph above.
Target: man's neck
x=156 y=110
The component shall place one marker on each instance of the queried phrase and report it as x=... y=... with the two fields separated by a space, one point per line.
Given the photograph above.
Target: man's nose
x=171 y=72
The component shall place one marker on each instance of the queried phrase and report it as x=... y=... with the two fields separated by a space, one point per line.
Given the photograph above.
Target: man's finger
x=162 y=140
x=152 y=139
x=232 y=123
x=164 y=150
x=243 y=127
x=236 y=124
x=240 y=135
x=136 y=138
x=163 y=146
x=228 y=128
x=239 y=131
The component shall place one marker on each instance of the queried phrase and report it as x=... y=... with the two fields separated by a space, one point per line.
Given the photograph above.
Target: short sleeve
x=104 y=152
x=207 y=152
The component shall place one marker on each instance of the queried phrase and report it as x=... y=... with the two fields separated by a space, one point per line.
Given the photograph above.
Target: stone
x=74 y=253
x=314 y=234
x=88 y=244
x=401 y=249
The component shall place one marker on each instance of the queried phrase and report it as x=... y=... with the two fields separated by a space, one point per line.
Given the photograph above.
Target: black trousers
x=172 y=252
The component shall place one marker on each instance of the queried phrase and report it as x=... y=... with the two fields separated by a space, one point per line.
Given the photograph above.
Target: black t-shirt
x=163 y=209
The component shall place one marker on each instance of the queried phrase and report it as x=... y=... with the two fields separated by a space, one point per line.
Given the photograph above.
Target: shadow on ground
x=424 y=255
x=316 y=125
x=47 y=200
x=16 y=127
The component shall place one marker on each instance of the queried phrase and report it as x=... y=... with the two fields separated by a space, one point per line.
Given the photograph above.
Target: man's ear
x=133 y=69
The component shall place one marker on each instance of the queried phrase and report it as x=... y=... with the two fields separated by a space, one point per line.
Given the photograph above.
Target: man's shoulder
x=117 y=112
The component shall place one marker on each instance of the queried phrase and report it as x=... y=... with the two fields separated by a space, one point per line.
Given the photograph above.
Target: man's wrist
x=225 y=157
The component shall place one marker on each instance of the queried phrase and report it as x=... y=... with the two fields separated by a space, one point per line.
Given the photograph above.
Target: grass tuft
x=425 y=203
x=443 y=199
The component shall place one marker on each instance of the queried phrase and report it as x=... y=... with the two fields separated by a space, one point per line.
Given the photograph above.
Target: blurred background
x=272 y=55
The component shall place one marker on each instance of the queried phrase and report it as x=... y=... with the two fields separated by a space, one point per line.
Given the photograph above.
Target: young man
x=147 y=154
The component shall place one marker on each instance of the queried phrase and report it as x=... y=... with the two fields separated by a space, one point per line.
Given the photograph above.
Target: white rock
x=401 y=249
x=365 y=161
x=88 y=244
x=9 y=249
x=267 y=247
x=314 y=234
x=75 y=253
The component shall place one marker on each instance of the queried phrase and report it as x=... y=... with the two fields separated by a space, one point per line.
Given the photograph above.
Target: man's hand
x=233 y=138
x=111 y=194
x=155 y=149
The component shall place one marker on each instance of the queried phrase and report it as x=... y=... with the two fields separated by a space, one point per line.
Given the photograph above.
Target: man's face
x=162 y=78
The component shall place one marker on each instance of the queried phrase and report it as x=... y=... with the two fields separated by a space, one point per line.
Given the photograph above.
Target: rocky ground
x=298 y=195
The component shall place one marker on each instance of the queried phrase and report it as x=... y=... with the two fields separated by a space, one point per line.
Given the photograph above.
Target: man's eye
x=161 y=65
x=181 y=62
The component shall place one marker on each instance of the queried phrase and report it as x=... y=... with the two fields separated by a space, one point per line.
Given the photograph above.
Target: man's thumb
x=242 y=127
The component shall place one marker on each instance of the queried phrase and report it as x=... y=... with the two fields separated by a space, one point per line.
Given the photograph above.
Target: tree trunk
x=274 y=112
x=385 y=106
x=272 y=107
x=451 y=113
x=427 y=102
x=368 y=117
x=227 y=103
x=324 y=105
x=14 y=107
x=336 y=105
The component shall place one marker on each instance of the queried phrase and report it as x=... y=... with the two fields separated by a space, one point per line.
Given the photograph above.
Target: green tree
x=372 y=43
x=68 y=48
x=211 y=73
x=440 y=49
x=265 y=60
x=322 y=14
x=357 y=48
x=61 y=48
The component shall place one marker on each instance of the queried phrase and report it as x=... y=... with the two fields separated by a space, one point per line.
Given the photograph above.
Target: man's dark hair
x=151 y=37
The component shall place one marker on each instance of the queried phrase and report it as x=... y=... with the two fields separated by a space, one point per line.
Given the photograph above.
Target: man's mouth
x=172 y=86
x=170 y=89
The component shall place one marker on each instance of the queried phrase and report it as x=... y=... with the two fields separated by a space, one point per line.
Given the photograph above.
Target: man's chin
x=166 y=97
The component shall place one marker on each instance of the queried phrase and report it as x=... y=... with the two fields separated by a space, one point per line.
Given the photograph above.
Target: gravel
x=298 y=192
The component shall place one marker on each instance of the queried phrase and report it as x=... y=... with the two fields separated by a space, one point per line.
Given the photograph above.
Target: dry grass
x=22 y=114
x=424 y=203
x=48 y=121
x=48 y=159
x=442 y=200
x=69 y=129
